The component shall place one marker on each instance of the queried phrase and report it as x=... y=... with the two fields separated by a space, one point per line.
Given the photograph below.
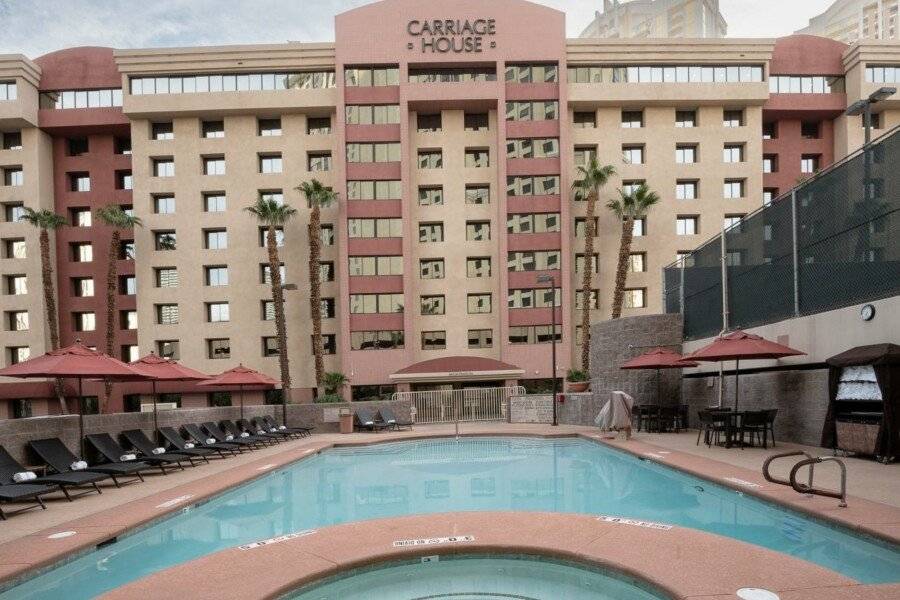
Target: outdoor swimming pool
x=441 y=475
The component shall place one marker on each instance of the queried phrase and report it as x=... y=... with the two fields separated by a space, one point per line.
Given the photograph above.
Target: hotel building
x=452 y=132
x=849 y=21
x=657 y=19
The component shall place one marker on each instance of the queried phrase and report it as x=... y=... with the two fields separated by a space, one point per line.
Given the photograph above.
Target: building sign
x=451 y=35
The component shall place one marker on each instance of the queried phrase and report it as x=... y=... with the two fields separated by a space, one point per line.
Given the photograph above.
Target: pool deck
x=679 y=561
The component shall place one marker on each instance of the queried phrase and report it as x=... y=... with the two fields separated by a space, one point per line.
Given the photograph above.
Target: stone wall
x=579 y=408
x=534 y=408
x=324 y=416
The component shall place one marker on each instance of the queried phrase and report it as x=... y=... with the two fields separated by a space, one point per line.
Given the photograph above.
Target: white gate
x=469 y=404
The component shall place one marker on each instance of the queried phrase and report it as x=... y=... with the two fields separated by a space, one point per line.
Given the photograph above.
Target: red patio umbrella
x=241 y=377
x=737 y=346
x=658 y=358
x=164 y=369
x=78 y=362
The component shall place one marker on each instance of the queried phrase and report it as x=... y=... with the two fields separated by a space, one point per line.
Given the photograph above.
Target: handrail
x=768 y=476
x=809 y=489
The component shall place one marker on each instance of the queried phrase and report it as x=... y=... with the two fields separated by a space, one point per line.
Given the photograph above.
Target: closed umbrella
x=241 y=377
x=658 y=358
x=164 y=369
x=738 y=346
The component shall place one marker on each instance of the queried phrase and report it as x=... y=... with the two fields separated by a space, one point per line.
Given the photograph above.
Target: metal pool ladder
x=808 y=488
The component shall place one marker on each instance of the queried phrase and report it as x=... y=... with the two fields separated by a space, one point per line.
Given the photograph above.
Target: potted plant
x=333 y=382
x=577 y=380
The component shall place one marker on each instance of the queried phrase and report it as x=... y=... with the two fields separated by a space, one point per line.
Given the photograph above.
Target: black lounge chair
x=220 y=436
x=140 y=442
x=249 y=427
x=367 y=419
x=56 y=454
x=113 y=452
x=199 y=436
x=19 y=492
x=229 y=428
x=173 y=437
x=268 y=423
x=387 y=415
x=76 y=479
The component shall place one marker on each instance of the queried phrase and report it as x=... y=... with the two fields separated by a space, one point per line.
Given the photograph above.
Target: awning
x=457 y=368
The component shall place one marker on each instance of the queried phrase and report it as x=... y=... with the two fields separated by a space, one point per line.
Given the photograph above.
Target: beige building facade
x=657 y=19
x=850 y=21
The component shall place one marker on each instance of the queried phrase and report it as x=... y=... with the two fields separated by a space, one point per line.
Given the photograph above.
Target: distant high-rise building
x=657 y=19
x=851 y=20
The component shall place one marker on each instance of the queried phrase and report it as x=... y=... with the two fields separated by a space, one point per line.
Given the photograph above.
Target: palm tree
x=273 y=214
x=628 y=207
x=47 y=220
x=114 y=216
x=317 y=196
x=591 y=177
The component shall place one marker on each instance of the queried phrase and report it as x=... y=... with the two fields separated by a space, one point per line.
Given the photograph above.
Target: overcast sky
x=35 y=27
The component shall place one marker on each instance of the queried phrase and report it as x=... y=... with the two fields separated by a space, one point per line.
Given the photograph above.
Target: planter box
x=857 y=437
x=577 y=386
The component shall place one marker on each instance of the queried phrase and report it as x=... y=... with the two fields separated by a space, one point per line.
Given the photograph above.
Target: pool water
x=442 y=475
x=478 y=578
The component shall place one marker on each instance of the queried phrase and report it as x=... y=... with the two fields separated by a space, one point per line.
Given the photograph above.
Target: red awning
x=658 y=358
x=740 y=345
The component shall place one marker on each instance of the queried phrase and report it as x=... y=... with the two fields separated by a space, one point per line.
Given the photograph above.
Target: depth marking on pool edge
x=174 y=501
x=266 y=467
x=276 y=540
x=456 y=539
x=634 y=522
x=742 y=482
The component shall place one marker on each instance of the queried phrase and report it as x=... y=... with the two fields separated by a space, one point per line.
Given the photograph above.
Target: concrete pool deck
x=26 y=548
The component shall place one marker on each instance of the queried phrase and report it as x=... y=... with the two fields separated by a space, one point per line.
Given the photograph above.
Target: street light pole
x=552 y=281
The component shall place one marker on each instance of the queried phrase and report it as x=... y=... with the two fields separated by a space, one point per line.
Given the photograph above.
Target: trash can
x=346 y=420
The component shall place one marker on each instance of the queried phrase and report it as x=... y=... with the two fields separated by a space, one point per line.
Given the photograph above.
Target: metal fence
x=469 y=404
x=832 y=241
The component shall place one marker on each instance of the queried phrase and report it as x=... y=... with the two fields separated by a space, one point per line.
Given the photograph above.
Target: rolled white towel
x=228 y=438
x=188 y=445
x=245 y=434
x=24 y=476
x=273 y=430
x=78 y=465
x=369 y=423
x=210 y=440
x=282 y=427
x=127 y=457
x=260 y=431
x=159 y=451
x=391 y=421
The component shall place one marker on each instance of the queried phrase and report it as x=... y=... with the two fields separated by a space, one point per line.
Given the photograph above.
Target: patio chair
x=754 y=423
x=770 y=423
x=711 y=427
x=140 y=442
x=667 y=418
x=220 y=436
x=56 y=454
x=112 y=451
x=367 y=419
x=200 y=449
x=682 y=417
x=19 y=492
x=387 y=415
x=9 y=466
x=301 y=429
x=229 y=428
x=245 y=425
x=201 y=437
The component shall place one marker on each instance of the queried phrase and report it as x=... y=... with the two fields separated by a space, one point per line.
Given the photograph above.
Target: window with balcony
x=272 y=127
x=314 y=126
x=475 y=121
x=733 y=118
x=11 y=140
x=162 y=131
x=685 y=118
x=426 y=123
x=584 y=120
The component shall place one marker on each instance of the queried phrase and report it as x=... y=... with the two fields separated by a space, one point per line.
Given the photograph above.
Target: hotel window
x=375 y=228
x=267 y=310
x=733 y=188
x=809 y=163
x=431 y=196
x=476 y=158
x=686 y=154
x=8 y=90
x=431 y=232
x=128 y=319
x=314 y=126
x=579 y=263
x=215 y=239
x=216 y=276
x=168 y=349
x=533 y=260
x=532 y=148
x=319 y=161
x=85 y=321
x=82 y=252
x=434 y=340
x=375 y=265
x=686 y=190
x=637 y=262
x=162 y=131
x=532 y=223
x=77 y=146
x=874 y=74
x=123 y=145
x=533 y=298
x=477 y=268
x=80 y=217
x=432 y=305
x=809 y=130
x=269 y=346
x=162 y=167
x=328 y=310
x=377 y=340
x=478 y=231
x=13 y=211
x=580 y=223
x=214 y=202
x=539 y=185
x=630 y=187
x=369 y=304
x=770 y=163
x=18 y=354
x=218 y=348
x=733 y=118
x=243 y=82
x=17 y=320
x=14 y=248
x=475 y=121
x=585 y=154
x=733 y=153
x=478 y=303
x=452 y=75
x=769 y=194
x=165 y=240
x=684 y=259
x=430 y=159
x=371 y=76
x=807 y=84
x=431 y=268
x=534 y=334
x=130 y=353
x=217 y=312
x=540 y=110
x=770 y=131
x=732 y=221
x=687 y=225
x=376 y=152
x=213 y=165
x=275 y=196
x=481 y=338
x=428 y=123
x=78 y=182
x=326 y=234
x=16 y=285
x=166 y=277
x=531 y=73
x=876 y=121
x=632 y=119
x=374 y=190
x=329 y=343
x=124 y=180
x=635 y=298
x=584 y=120
x=126 y=250
x=593 y=298
x=12 y=140
x=633 y=155
x=83 y=287
x=685 y=118
x=265 y=274
x=478 y=194
x=164 y=205
x=272 y=127
x=369 y=114
x=213 y=129
x=127 y=285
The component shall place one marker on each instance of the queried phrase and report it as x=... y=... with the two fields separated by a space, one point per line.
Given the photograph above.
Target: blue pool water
x=478 y=578
x=442 y=475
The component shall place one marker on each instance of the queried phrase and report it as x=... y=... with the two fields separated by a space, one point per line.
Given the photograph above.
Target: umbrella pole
x=736 y=380
x=658 y=394
x=241 y=392
x=155 y=423
x=80 y=419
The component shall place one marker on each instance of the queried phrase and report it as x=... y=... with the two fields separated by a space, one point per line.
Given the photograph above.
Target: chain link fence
x=833 y=241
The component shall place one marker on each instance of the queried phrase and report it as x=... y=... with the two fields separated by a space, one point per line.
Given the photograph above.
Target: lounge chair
x=229 y=428
x=387 y=415
x=76 y=479
x=367 y=419
x=173 y=437
x=56 y=454
x=19 y=492
x=249 y=427
x=220 y=436
x=201 y=437
x=269 y=424
x=140 y=442
x=114 y=453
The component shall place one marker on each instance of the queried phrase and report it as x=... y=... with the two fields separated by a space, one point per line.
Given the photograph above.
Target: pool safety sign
x=635 y=523
x=276 y=540
x=456 y=539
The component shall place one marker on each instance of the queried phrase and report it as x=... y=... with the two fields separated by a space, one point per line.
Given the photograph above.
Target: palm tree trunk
x=622 y=266
x=50 y=308
x=586 y=279
x=278 y=301
x=315 y=290
x=112 y=269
